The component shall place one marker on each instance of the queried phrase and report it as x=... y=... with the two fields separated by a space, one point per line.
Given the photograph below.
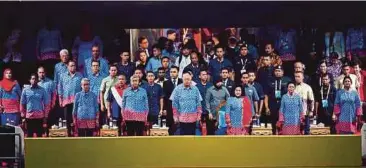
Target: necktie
x=174 y=83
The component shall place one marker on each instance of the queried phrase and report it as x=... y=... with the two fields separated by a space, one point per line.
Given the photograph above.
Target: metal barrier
x=19 y=157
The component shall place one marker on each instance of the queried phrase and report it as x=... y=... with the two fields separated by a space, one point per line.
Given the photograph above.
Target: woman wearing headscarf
x=10 y=93
x=238 y=113
x=347 y=108
x=291 y=113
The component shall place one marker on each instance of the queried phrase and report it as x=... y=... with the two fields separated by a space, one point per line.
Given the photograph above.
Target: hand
x=160 y=112
x=176 y=121
x=229 y=125
x=164 y=113
x=45 y=123
x=268 y=112
x=123 y=123
x=109 y=114
x=210 y=116
x=97 y=125
x=334 y=117
x=216 y=124
x=279 y=124
x=102 y=107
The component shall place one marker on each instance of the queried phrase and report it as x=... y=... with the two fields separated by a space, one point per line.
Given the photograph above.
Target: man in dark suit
x=227 y=82
x=168 y=88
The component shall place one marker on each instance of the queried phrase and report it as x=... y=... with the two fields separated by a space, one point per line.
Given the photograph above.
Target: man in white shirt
x=307 y=95
x=346 y=71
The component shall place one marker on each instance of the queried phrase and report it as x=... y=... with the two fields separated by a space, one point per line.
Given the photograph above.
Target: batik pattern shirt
x=36 y=103
x=104 y=67
x=186 y=102
x=11 y=100
x=335 y=69
x=290 y=114
x=49 y=43
x=60 y=68
x=135 y=105
x=286 y=45
x=355 y=41
x=95 y=82
x=49 y=86
x=234 y=108
x=347 y=106
x=337 y=44
x=86 y=110
x=68 y=87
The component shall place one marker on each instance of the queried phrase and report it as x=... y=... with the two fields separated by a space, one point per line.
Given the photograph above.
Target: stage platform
x=194 y=151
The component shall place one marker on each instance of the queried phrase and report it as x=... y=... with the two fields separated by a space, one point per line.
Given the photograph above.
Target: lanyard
x=322 y=94
x=244 y=63
x=277 y=85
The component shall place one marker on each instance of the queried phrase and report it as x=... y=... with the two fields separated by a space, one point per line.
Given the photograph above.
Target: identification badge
x=278 y=94
x=325 y=103
x=243 y=71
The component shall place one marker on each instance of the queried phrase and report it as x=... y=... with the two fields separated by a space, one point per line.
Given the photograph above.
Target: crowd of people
x=225 y=90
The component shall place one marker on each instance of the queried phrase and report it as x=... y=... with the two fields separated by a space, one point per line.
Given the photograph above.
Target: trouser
x=306 y=125
x=102 y=117
x=187 y=128
x=170 y=123
x=68 y=116
x=274 y=119
x=85 y=132
x=153 y=119
x=327 y=121
x=211 y=126
x=34 y=126
x=221 y=131
x=118 y=121
x=135 y=128
x=12 y=118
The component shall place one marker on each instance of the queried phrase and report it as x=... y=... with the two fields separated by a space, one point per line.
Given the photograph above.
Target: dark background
x=109 y=18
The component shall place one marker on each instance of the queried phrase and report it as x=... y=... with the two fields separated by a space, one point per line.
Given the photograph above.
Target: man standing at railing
x=67 y=88
x=86 y=111
x=135 y=108
x=187 y=109
x=307 y=95
x=35 y=105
